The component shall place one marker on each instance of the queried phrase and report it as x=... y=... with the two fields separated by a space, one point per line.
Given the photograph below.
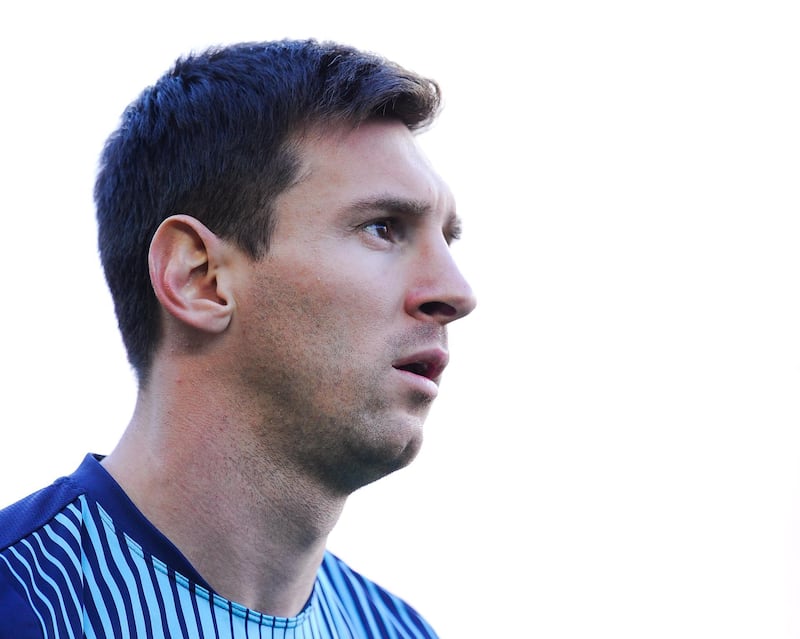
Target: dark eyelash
x=453 y=232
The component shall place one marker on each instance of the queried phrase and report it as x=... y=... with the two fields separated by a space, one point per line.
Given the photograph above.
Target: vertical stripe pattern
x=80 y=576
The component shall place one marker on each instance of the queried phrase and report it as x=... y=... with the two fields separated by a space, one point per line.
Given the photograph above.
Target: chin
x=369 y=464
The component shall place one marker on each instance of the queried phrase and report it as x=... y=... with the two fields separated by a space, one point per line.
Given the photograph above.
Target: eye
x=388 y=229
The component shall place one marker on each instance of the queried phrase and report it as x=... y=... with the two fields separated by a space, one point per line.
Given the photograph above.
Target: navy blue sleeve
x=17 y=618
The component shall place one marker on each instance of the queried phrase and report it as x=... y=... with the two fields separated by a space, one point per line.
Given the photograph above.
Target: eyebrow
x=409 y=208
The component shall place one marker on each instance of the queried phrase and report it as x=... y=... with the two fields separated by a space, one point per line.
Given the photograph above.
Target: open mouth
x=429 y=365
x=418 y=368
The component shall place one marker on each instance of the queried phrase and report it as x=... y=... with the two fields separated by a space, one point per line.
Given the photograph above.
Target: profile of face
x=341 y=327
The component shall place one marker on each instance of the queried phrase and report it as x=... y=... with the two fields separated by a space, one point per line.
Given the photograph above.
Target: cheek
x=336 y=302
x=342 y=293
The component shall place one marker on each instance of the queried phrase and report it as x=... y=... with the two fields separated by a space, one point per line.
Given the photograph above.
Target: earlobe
x=187 y=271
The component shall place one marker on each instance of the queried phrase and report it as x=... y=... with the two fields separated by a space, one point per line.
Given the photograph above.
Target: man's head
x=217 y=138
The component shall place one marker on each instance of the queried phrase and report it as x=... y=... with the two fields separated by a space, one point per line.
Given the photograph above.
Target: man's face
x=342 y=324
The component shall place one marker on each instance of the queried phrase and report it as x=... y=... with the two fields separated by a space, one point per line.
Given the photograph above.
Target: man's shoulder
x=380 y=612
x=20 y=526
x=34 y=511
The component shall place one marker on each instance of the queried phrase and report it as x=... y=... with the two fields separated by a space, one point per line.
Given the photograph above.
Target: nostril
x=437 y=309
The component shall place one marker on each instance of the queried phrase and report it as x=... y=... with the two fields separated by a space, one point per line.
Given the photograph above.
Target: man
x=277 y=248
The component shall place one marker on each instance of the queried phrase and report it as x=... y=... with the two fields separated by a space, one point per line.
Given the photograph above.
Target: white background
x=616 y=450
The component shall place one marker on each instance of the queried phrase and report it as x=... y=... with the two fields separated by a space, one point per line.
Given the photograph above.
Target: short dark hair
x=213 y=138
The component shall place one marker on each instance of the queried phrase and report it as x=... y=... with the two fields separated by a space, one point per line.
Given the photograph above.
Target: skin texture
x=295 y=379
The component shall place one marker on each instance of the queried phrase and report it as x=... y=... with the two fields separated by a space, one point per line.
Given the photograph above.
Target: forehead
x=377 y=159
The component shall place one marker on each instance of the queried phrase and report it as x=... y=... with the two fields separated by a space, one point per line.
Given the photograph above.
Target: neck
x=253 y=526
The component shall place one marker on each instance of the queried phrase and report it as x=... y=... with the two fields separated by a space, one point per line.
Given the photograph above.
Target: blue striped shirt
x=78 y=559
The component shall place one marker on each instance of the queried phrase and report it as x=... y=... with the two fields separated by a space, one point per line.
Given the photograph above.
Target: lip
x=427 y=364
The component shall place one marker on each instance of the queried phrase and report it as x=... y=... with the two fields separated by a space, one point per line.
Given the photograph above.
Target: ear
x=188 y=272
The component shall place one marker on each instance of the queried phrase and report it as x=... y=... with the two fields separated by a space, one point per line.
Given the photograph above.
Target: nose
x=439 y=291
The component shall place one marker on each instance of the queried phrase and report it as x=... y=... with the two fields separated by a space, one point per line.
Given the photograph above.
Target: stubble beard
x=329 y=411
x=341 y=436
